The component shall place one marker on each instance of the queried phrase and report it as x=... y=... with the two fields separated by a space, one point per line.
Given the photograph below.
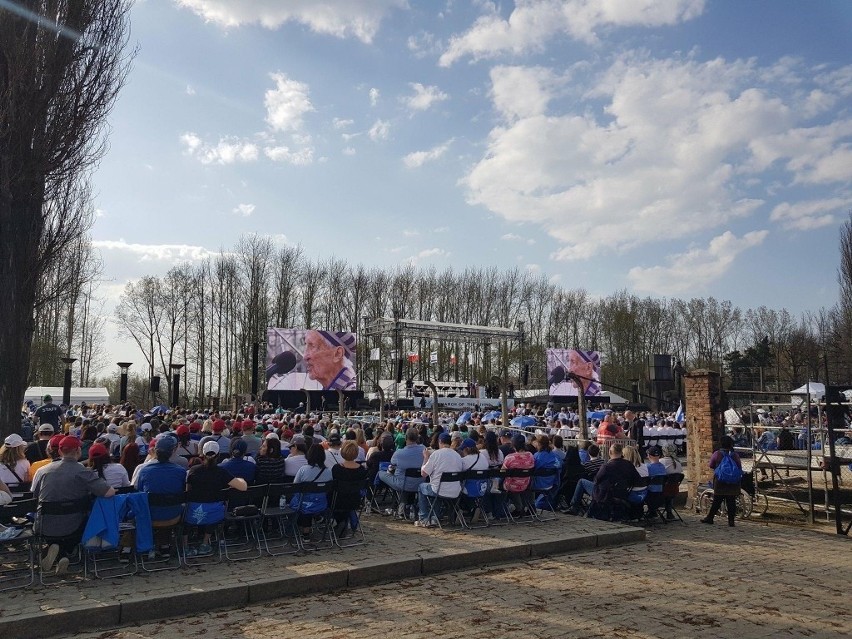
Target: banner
x=453 y=359
x=413 y=357
x=433 y=357
x=298 y=359
x=585 y=364
x=374 y=355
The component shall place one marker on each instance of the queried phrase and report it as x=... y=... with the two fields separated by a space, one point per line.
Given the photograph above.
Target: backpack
x=727 y=471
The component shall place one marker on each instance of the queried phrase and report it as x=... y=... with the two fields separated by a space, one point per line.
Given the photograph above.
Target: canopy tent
x=78 y=394
x=615 y=398
x=814 y=389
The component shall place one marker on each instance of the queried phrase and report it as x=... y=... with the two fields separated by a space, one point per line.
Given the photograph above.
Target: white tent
x=614 y=398
x=78 y=394
x=814 y=389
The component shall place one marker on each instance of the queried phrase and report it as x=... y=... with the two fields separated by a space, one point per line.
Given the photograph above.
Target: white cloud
x=380 y=130
x=423 y=97
x=534 y=268
x=410 y=232
x=173 y=253
x=287 y=103
x=340 y=123
x=423 y=44
x=190 y=90
x=442 y=229
x=341 y=18
x=695 y=268
x=348 y=151
x=298 y=157
x=426 y=254
x=649 y=144
x=228 y=150
x=244 y=209
x=374 y=96
x=533 y=23
x=511 y=237
x=419 y=158
x=814 y=214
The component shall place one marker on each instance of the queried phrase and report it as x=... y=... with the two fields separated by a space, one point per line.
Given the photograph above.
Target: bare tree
x=62 y=64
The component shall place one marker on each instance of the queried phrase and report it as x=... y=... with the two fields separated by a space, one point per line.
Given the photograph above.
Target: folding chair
x=544 y=482
x=524 y=496
x=406 y=497
x=476 y=484
x=452 y=503
x=192 y=512
x=158 y=562
x=244 y=513
x=654 y=500
x=356 y=491
x=322 y=521
x=277 y=513
x=615 y=505
x=107 y=560
x=44 y=511
x=671 y=489
x=17 y=567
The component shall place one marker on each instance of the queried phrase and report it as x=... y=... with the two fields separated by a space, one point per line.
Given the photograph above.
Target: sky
x=672 y=148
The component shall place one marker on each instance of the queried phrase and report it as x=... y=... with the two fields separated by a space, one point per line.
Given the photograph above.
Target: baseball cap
x=194 y=427
x=468 y=443
x=166 y=444
x=54 y=441
x=218 y=426
x=45 y=428
x=271 y=435
x=211 y=448
x=239 y=448
x=146 y=426
x=445 y=438
x=334 y=438
x=112 y=428
x=69 y=443
x=47 y=398
x=656 y=451
x=14 y=441
x=182 y=430
x=518 y=441
x=97 y=450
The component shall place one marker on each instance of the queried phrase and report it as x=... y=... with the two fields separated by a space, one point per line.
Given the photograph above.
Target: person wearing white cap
x=204 y=484
x=14 y=467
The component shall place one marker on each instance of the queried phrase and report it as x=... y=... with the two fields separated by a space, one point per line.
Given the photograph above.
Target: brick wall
x=704 y=424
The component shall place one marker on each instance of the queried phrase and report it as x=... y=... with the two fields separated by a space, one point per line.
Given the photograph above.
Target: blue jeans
x=426 y=495
x=583 y=486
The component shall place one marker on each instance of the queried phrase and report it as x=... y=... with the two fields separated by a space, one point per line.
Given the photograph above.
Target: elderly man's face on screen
x=323 y=360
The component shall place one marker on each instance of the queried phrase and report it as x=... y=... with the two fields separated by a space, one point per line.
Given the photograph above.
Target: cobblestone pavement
x=755 y=580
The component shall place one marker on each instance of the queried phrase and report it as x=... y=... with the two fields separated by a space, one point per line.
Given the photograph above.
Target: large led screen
x=299 y=359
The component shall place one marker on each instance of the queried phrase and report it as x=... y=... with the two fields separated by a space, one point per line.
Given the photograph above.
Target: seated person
x=616 y=472
x=515 y=487
x=238 y=464
x=65 y=480
x=405 y=458
x=437 y=462
x=348 y=503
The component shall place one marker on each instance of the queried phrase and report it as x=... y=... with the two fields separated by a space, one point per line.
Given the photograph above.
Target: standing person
x=727 y=472
x=48 y=413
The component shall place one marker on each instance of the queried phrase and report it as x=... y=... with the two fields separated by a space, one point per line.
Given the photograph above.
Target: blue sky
x=671 y=147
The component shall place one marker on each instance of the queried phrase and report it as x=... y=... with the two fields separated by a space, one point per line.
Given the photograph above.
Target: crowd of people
x=94 y=451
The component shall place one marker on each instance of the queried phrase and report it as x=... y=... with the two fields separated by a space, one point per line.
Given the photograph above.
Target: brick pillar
x=704 y=425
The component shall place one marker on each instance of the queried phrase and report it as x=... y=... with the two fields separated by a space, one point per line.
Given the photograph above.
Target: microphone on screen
x=281 y=364
x=557 y=376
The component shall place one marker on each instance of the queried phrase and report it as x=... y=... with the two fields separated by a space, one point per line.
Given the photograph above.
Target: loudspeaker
x=525 y=379
x=398 y=371
x=660 y=368
x=155 y=384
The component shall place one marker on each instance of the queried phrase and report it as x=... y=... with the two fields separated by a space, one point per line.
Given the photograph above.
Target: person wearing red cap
x=187 y=447
x=101 y=462
x=65 y=480
x=52 y=451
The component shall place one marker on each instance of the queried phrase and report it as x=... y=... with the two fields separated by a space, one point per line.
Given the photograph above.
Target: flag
x=433 y=357
x=413 y=357
x=374 y=354
x=394 y=354
x=453 y=359
x=679 y=415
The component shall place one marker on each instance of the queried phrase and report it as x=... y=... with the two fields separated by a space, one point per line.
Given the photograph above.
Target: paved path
x=397 y=550
x=755 y=580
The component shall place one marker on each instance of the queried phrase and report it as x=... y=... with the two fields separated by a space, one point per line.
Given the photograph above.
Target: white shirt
x=116 y=475
x=22 y=469
x=443 y=460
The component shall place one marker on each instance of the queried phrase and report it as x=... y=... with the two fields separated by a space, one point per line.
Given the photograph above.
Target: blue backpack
x=728 y=472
